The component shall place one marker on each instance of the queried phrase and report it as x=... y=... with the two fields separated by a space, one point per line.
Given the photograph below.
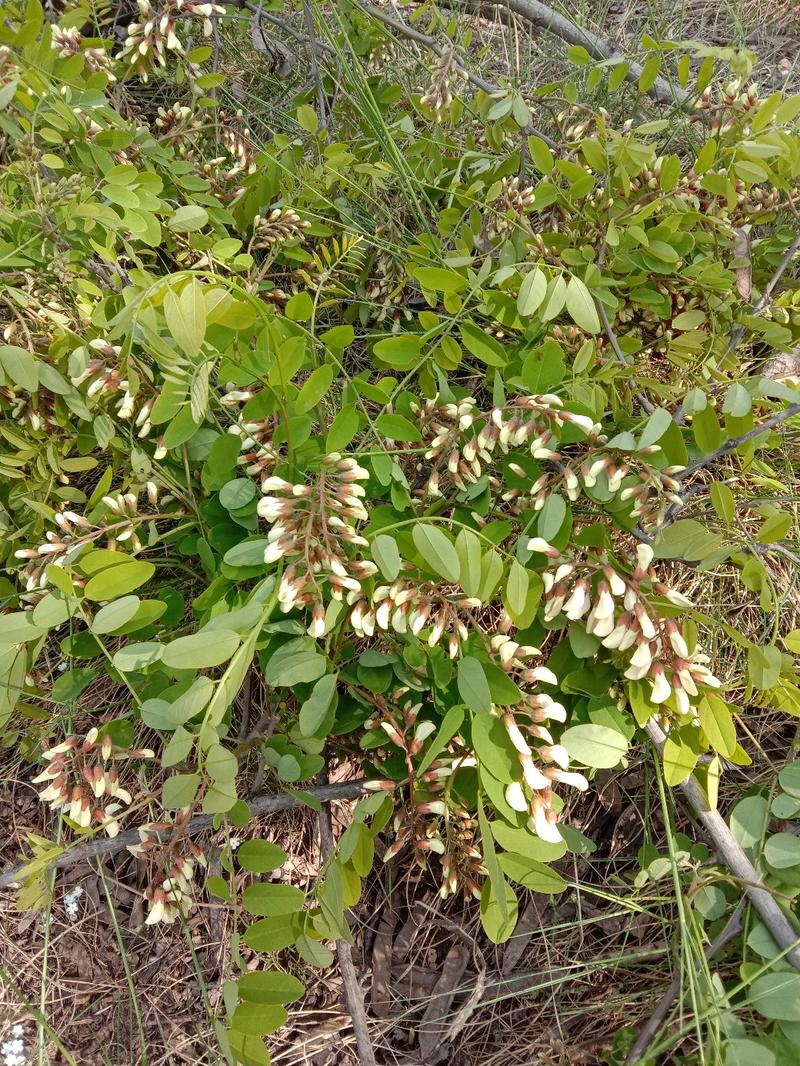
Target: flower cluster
x=617 y=611
x=68 y=41
x=439 y=97
x=71 y=899
x=652 y=490
x=80 y=780
x=74 y=531
x=150 y=39
x=96 y=368
x=408 y=606
x=280 y=225
x=732 y=103
x=513 y=203
x=173 y=859
x=259 y=455
x=461 y=441
x=309 y=523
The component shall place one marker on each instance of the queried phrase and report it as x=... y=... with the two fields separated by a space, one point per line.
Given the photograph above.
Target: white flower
x=515 y=797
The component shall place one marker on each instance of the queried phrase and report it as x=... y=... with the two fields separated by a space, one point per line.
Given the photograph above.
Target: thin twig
x=353 y=992
x=433 y=45
x=259 y=805
x=732 y=855
x=648 y=1031
x=265 y=16
x=313 y=46
x=730 y=445
x=641 y=399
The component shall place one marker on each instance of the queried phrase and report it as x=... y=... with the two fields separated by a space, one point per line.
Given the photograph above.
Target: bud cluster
x=80 y=780
x=731 y=105
x=460 y=441
x=68 y=41
x=309 y=524
x=74 y=531
x=616 y=610
x=259 y=455
x=97 y=368
x=439 y=97
x=280 y=225
x=513 y=203
x=150 y=39
x=173 y=860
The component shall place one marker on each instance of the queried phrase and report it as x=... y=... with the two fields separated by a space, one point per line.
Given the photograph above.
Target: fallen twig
x=259 y=805
x=732 y=855
x=653 y=1024
x=662 y=91
x=353 y=993
x=429 y=42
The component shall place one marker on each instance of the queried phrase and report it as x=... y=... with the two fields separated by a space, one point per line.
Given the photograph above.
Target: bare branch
x=730 y=445
x=731 y=855
x=260 y=805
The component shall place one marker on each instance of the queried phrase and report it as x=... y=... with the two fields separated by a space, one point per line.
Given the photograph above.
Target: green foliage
x=400 y=471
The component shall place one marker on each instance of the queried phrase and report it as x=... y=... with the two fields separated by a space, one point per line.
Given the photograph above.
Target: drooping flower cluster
x=439 y=96
x=309 y=524
x=429 y=825
x=155 y=35
x=68 y=41
x=102 y=377
x=259 y=455
x=172 y=860
x=280 y=225
x=82 y=780
x=73 y=532
x=508 y=210
x=408 y=606
x=461 y=442
x=617 y=611
x=542 y=761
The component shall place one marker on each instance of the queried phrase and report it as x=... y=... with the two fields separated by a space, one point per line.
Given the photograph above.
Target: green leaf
x=186 y=317
x=255 y=1020
x=748 y=819
x=493 y=748
x=764 y=666
x=270 y=934
x=180 y=790
x=343 y=428
x=315 y=387
x=531 y=292
x=20 y=366
x=439 y=279
x=237 y=493
x=401 y=351
x=473 y=686
x=598 y=746
x=482 y=345
x=717 y=724
x=189 y=218
x=551 y=516
x=650 y=69
x=396 y=427
x=451 y=723
x=557 y=296
x=498 y=913
x=201 y=650
x=386 y=554
x=782 y=850
x=316 y=714
x=437 y=550
x=260 y=856
x=118 y=580
x=71 y=684
x=723 y=502
x=468 y=549
x=307 y=118
x=300 y=307
x=776 y=996
x=679 y=756
x=270 y=986
x=137 y=656
x=656 y=426
x=517 y=586
x=531 y=874
x=581 y=307
x=294 y=663
x=272 y=899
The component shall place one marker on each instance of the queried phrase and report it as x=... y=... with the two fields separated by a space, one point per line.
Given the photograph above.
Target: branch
x=641 y=399
x=732 y=855
x=731 y=929
x=260 y=805
x=433 y=45
x=730 y=445
x=353 y=993
x=662 y=91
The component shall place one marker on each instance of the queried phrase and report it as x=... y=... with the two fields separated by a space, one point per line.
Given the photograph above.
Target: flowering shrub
x=424 y=476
